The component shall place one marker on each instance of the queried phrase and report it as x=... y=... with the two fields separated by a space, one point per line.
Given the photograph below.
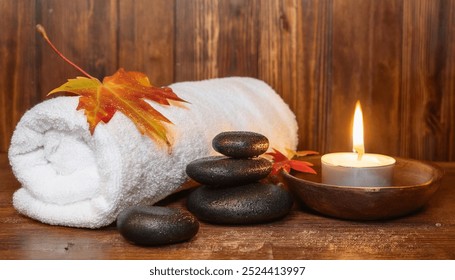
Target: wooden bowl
x=414 y=182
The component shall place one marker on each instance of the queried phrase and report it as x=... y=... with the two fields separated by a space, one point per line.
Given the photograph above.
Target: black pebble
x=247 y=204
x=240 y=144
x=152 y=226
x=224 y=171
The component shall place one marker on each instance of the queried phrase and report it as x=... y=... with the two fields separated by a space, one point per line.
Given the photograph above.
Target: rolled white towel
x=72 y=178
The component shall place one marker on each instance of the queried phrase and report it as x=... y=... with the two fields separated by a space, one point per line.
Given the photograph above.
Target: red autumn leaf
x=125 y=92
x=280 y=161
x=302 y=166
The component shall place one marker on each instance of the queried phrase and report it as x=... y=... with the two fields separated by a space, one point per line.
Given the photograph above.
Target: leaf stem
x=42 y=31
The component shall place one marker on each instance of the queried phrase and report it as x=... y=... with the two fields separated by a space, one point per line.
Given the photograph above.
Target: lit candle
x=357 y=168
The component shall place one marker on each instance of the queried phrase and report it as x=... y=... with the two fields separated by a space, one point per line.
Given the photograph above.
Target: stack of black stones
x=232 y=191
x=232 y=194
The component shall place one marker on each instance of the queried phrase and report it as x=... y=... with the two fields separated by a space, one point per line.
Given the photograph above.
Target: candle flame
x=357 y=132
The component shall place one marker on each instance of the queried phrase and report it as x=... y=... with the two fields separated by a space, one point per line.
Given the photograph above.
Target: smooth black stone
x=247 y=204
x=224 y=171
x=152 y=226
x=240 y=144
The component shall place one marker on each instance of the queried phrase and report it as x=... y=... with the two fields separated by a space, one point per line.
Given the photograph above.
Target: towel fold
x=72 y=178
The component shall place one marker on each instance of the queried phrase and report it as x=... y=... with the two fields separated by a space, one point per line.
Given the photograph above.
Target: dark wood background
x=396 y=56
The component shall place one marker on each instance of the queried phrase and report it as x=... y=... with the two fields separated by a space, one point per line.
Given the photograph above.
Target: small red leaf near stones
x=281 y=162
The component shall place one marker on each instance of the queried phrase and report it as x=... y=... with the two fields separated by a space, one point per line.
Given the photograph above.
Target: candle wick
x=359 y=156
x=360 y=151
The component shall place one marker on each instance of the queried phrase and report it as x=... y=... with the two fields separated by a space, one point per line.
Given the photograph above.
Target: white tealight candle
x=357 y=169
x=345 y=169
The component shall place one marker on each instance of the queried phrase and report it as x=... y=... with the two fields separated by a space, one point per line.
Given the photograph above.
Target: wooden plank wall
x=396 y=56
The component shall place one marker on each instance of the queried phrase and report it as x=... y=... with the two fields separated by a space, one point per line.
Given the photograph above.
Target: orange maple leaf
x=125 y=92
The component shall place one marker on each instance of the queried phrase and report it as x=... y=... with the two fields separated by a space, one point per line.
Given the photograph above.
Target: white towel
x=72 y=178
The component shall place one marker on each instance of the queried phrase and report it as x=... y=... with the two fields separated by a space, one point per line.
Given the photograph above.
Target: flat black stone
x=153 y=226
x=224 y=171
x=240 y=144
x=247 y=204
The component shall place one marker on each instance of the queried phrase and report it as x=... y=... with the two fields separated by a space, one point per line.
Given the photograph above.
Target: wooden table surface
x=427 y=234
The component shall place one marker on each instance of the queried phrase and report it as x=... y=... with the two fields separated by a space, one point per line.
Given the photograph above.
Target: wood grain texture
x=85 y=32
x=426 y=234
x=196 y=41
x=17 y=65
x=428 y=79
x=295 y=59
x=395 y=56
x=366 y=67
x=215 y=39
x=152 y=28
